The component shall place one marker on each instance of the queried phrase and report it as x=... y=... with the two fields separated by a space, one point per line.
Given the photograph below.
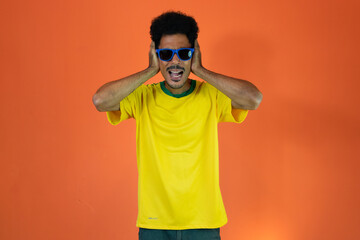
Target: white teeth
x=175 y=75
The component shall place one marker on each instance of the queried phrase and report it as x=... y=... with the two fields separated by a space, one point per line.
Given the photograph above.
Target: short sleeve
x=129 y=107
x=225 y=112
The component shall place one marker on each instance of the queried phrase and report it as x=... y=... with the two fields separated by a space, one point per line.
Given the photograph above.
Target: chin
x=176 y=84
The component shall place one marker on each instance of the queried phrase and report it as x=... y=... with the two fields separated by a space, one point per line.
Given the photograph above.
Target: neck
x=181 y=90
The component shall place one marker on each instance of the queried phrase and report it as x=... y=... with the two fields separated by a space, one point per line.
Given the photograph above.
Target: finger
x=197 y=44
x=152 y=45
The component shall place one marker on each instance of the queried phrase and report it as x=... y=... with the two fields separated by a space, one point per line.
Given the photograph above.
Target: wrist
x=199 y=71
x=152 y=70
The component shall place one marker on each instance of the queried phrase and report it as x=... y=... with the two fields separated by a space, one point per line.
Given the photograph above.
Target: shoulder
x=206 y=87
x=146 y=89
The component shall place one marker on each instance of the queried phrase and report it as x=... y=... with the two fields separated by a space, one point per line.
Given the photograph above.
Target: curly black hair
x=172 y=23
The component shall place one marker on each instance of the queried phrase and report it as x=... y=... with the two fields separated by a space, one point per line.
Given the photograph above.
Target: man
x=176 y=123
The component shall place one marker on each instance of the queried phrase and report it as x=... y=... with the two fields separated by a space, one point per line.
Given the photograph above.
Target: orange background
x=289 y=172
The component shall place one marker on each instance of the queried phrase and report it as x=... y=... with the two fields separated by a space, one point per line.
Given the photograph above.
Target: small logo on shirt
x=152 y=218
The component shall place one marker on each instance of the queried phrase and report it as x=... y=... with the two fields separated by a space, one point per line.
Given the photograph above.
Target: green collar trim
x=191 y=89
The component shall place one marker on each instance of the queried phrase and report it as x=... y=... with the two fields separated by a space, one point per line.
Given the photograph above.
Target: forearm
x=243 y=94
x=108 y=96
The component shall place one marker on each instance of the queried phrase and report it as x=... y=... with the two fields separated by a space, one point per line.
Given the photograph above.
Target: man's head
x=175 y=30
x=170 y=23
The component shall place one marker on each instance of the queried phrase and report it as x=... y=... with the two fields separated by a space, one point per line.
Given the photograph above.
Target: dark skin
x=243 y=94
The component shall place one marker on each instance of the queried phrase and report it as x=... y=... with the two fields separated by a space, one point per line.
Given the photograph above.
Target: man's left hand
x=196 y=59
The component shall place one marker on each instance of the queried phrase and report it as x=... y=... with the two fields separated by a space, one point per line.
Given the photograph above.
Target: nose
x=175 y=58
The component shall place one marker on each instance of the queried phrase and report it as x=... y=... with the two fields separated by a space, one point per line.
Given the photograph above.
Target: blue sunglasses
x=166 y=54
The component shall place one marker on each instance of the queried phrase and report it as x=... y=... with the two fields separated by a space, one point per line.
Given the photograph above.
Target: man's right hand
x=153 y=58
x=108 y=96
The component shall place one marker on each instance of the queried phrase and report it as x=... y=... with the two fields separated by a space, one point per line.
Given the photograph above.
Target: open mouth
x=175 y=75
x=175 y=72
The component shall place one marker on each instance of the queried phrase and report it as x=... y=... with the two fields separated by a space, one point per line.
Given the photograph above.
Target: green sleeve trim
x=191 y=89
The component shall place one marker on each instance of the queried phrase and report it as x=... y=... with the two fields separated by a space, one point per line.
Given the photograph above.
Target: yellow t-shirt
x=177 y=155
